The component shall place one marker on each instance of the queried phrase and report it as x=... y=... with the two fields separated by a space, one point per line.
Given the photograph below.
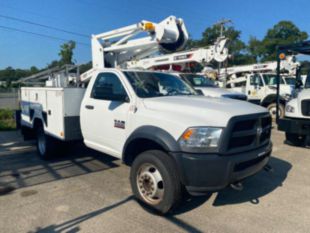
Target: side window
x=255 y=80
x=108 y=87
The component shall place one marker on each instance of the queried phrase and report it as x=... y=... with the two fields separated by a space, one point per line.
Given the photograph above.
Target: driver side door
x=107 y=113
x=255 y=88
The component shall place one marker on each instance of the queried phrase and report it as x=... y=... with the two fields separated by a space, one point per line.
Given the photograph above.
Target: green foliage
x=7 y=121
x=85 y=67
x=283 y=33
x=66 y=53
x=237 y=48
x=9 y=74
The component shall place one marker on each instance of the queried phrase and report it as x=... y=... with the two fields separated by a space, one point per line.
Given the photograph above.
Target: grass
x=7 y=121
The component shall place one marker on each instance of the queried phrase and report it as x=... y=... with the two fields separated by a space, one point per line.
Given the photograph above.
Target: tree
x=283 y=33
x=66 y=53
x=255 y=48
x=33 y=70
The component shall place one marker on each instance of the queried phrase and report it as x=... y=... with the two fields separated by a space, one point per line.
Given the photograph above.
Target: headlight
x=289 y=108
x=200 y=138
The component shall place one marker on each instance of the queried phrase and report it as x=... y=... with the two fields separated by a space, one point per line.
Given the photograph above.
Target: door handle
x=91 y=107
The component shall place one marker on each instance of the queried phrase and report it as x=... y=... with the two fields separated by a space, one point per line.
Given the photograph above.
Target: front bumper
x=294 y=126
x=201 y=173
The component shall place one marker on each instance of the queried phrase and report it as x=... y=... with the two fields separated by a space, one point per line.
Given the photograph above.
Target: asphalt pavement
x=85 y=191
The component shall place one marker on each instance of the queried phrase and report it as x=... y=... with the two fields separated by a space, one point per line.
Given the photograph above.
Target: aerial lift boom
x=116 y=47
x=217 y=52
x=289 y=64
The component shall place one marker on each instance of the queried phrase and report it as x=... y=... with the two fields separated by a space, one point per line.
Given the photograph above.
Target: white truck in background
x=296 y=122
x=258 y=82
x=155 y=122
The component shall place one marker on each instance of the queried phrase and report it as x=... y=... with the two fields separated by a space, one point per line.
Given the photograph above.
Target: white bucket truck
x=153 y=121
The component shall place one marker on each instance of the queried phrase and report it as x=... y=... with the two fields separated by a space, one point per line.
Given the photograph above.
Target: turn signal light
x=187 y=134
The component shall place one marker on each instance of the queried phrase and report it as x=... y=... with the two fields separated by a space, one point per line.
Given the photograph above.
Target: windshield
x=290 y=80
x=198 y=80
x=148 y=84
x=271 y=79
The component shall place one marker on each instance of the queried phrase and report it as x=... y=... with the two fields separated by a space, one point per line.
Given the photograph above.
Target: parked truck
x=296 y=123
x=258 y=82
x=173 y=138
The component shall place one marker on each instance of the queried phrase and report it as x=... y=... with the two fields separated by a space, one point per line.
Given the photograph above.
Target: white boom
x=169 y=35
x=289 y=65
x=217 y=52
x=116 y=47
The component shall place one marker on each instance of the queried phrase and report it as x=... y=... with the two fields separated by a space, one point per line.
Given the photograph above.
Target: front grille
x=305 y=107
x=249 y=133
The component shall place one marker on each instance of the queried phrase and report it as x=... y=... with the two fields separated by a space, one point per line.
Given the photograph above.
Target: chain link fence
x=9 y=98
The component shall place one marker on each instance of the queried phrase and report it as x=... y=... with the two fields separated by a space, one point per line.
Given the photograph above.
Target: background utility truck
x=296 y=123
x=258 y=82
x=171 y=137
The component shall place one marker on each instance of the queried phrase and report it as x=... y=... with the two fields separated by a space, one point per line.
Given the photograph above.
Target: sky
x=21 y=50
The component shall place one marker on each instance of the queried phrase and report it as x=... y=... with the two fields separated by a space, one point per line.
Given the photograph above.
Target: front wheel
x=272 y=108
x=295 y=139
x=155 y=181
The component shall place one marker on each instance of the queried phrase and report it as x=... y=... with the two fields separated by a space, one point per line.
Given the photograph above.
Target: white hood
x=217 y=92
x=201 y=110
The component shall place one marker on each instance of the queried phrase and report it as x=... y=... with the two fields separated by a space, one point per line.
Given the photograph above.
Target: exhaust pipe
x=238 y=186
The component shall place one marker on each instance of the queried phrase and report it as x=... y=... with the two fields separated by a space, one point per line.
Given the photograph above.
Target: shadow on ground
x=24 y=168
x=257 y=186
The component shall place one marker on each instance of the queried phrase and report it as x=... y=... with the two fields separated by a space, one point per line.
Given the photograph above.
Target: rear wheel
x=272 y=108
x=295 y=139
x=155 y=181
x=46 y=145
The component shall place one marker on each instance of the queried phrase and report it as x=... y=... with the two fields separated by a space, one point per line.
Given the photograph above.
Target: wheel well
x=271 y=99
x=137 y=146
x=37 y=123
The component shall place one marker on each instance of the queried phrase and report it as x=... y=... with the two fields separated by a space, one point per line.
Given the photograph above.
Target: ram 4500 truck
x=157 y=124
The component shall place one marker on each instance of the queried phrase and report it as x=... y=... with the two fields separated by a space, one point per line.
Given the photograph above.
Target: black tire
x=295 y=139
x=170 y=184
x=46 y=145
x=272 y=109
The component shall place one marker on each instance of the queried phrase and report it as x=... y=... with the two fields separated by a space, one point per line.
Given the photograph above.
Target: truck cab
x=296 y=123
x=128 y=113
x=260 y=88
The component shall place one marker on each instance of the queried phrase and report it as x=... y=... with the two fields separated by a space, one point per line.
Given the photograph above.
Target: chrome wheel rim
x=150 y=184
x=273 y=112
